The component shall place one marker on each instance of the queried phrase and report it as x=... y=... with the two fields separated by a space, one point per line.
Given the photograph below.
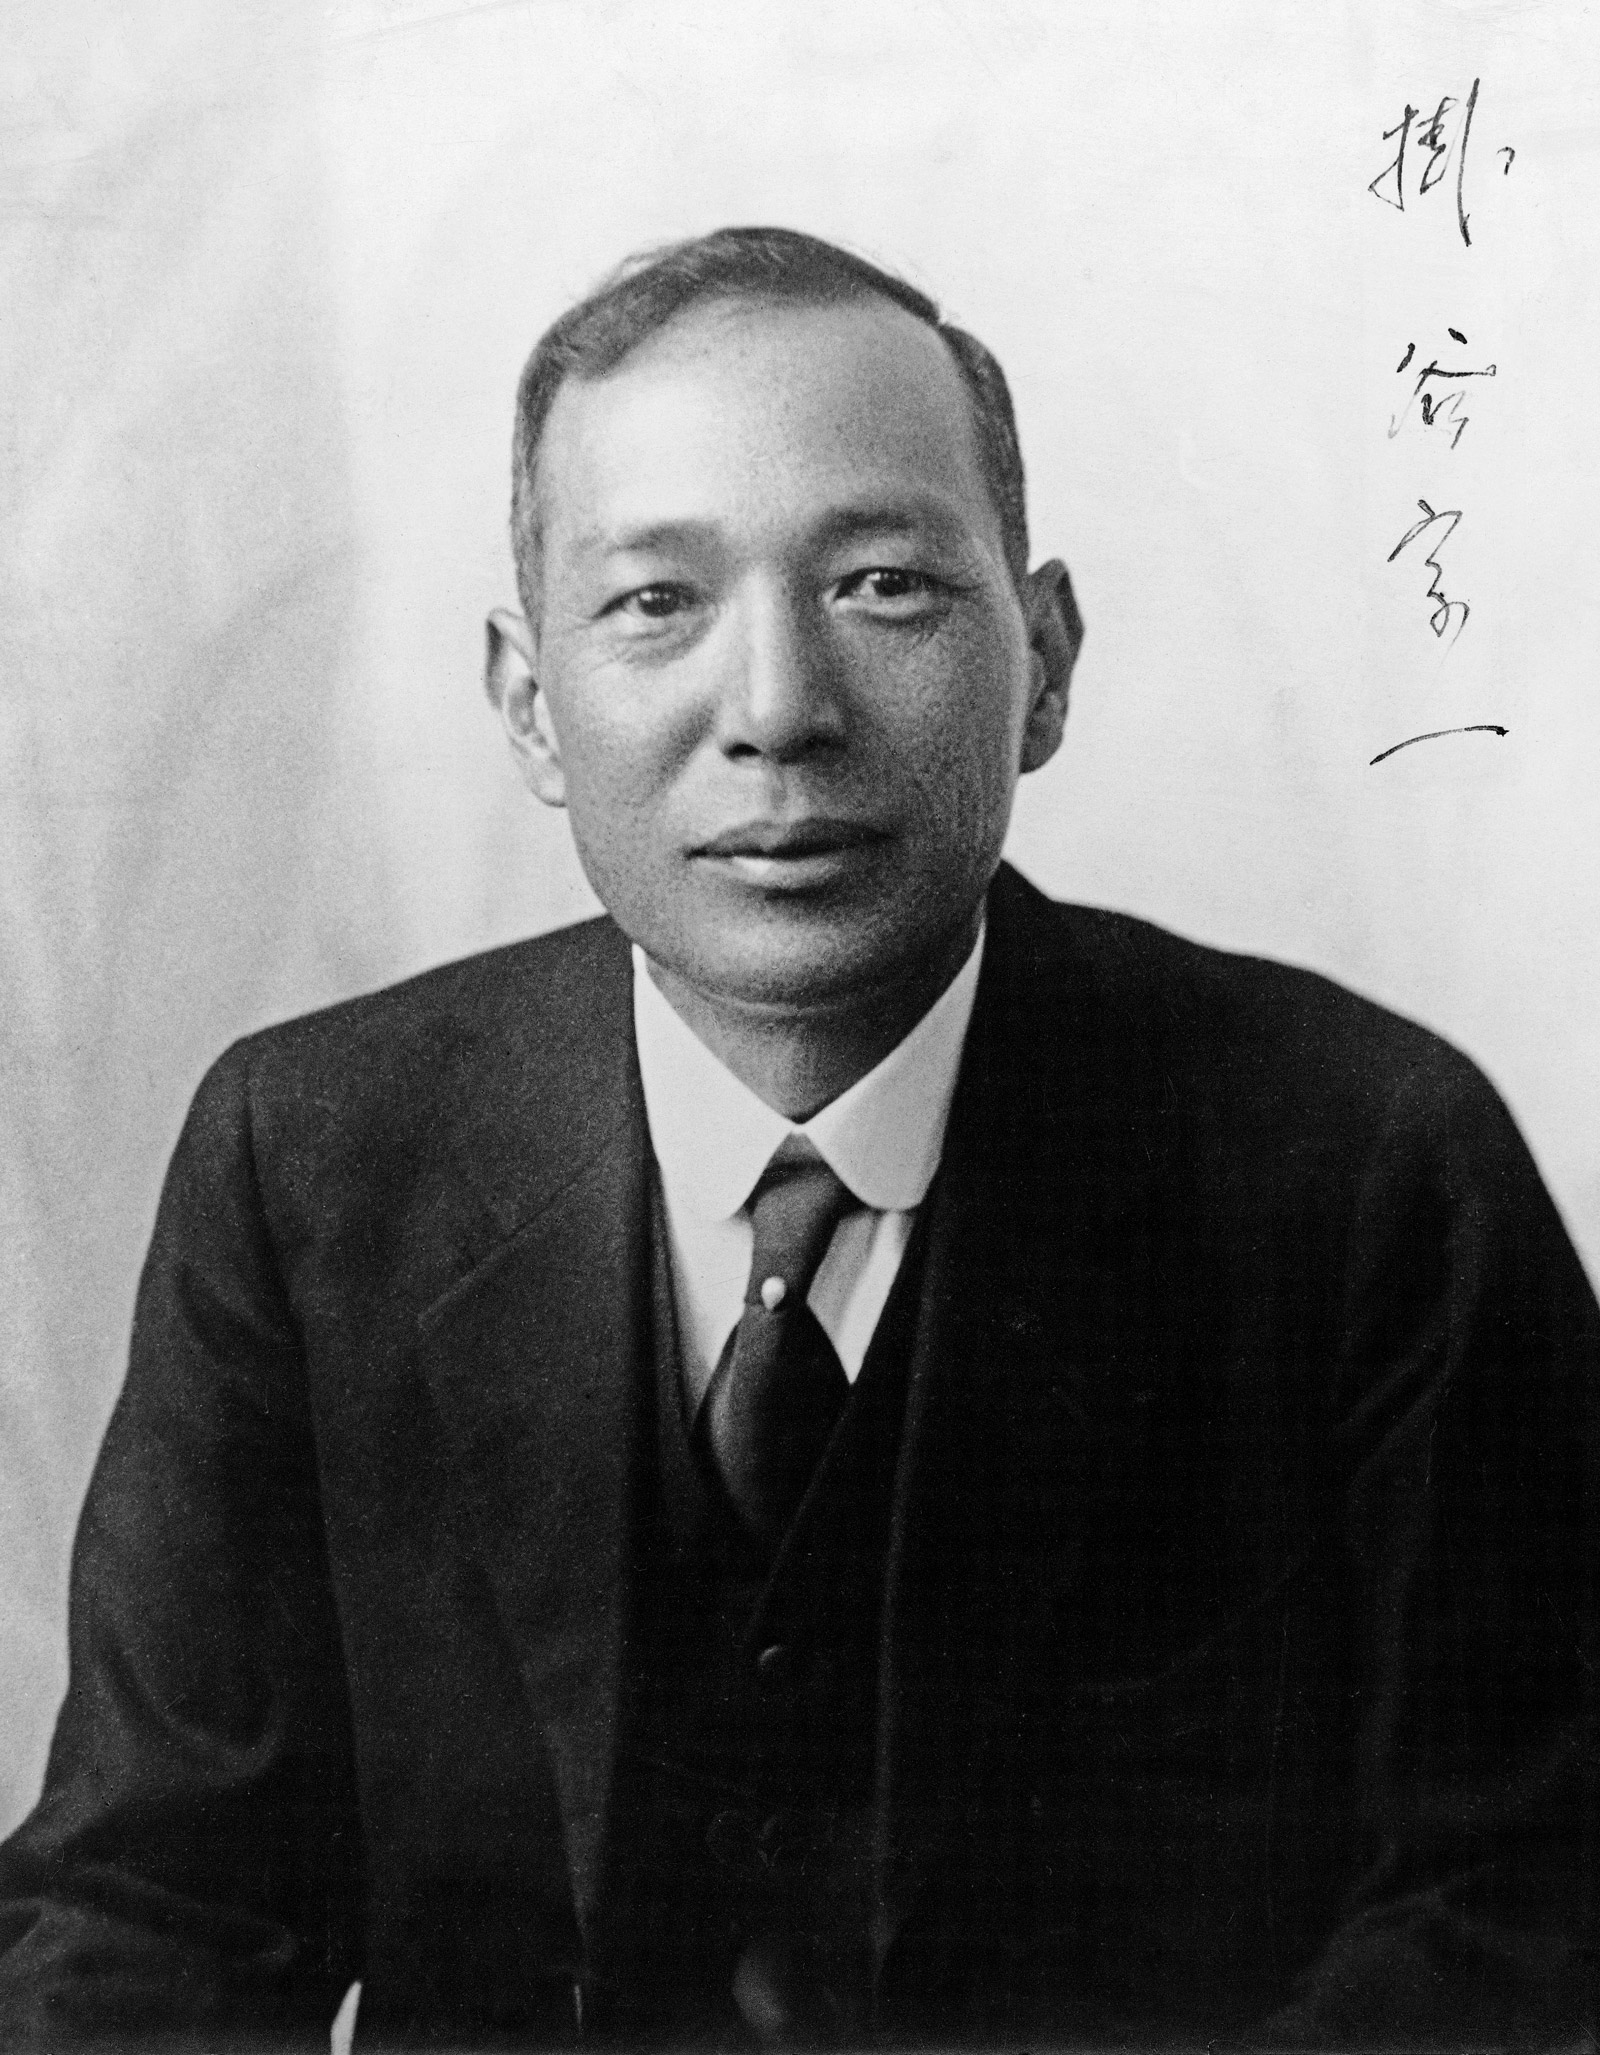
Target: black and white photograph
x=799 y=973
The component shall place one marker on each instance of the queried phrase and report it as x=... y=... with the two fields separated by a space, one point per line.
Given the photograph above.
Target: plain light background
x=267 y=275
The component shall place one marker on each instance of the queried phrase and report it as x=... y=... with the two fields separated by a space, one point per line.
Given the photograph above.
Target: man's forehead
x=860 y=401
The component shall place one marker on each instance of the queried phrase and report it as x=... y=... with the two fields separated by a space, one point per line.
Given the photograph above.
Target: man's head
x=782 y=659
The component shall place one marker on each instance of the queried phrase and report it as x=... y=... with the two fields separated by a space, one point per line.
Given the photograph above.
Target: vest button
x=775 y=1666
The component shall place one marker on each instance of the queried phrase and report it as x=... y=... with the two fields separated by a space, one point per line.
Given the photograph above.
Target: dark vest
x=745 y=1781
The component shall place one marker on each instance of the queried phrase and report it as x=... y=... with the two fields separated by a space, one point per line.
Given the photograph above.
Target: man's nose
x=781 y=694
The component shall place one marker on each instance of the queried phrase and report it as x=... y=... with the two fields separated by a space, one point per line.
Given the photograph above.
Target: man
x=898 y=1461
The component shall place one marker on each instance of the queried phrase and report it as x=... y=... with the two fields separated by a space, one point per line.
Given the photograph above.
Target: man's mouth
x=791 y=838
x=792 y=854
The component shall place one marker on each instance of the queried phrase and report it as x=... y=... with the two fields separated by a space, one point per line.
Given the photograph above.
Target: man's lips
x=793 y=858
x=792 y=840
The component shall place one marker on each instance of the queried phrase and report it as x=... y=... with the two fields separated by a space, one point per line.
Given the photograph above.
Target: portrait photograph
x=799 y=973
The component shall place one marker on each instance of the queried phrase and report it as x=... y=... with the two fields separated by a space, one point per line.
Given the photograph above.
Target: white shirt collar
x=883 y=1137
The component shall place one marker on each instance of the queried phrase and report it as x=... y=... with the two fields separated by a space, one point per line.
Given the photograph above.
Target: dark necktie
x=779 y=1386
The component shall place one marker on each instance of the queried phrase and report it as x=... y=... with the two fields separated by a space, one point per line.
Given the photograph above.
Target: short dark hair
x=653 y=288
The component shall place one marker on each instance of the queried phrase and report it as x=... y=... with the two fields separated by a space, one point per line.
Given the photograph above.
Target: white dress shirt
x=713 y=1138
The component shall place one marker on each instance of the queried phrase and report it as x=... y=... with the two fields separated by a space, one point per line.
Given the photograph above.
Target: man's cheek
x=603 y=779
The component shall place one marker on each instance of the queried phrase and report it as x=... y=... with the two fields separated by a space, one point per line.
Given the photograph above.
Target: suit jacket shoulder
x=1266 y=1081
x=1250 y=1025
x=436 y=1115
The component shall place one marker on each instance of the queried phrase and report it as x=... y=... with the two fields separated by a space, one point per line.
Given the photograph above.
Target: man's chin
x=797 y=955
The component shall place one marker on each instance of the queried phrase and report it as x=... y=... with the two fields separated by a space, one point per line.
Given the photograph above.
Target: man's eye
x=654 y=602
x=889 y=582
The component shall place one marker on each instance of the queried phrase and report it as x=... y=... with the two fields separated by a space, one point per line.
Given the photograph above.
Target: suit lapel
x=947 y=1601
x=530 y=1360
x=999 y=1417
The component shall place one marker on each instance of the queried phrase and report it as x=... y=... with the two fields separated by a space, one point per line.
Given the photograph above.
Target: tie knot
x=794 y=1209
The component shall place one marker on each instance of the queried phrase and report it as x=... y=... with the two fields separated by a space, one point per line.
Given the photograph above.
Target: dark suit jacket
x=1240 y=1591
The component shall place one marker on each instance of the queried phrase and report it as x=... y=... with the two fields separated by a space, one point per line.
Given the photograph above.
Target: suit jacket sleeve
x=192 y=1858
x=1463 y=1445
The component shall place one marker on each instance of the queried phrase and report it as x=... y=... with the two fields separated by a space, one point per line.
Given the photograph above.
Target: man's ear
x=509 y=680
x=1055 y=635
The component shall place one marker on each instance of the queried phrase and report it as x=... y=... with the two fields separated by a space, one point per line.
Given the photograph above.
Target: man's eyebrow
x=916 y=514
x=646 y=535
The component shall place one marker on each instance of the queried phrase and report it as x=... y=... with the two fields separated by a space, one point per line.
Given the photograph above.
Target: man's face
x=781 y=677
